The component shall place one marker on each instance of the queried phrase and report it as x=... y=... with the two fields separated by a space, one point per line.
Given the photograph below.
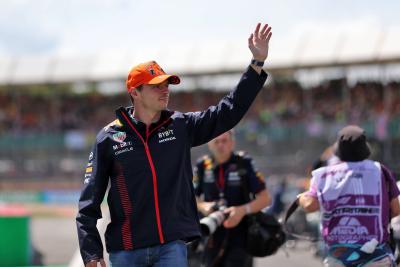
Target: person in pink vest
x=357 y=198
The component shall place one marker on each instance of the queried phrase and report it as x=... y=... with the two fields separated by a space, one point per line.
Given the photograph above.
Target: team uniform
x=151 y=195
x=230 y=181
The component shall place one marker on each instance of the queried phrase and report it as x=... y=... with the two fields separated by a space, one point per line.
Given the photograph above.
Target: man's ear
x=134 y=93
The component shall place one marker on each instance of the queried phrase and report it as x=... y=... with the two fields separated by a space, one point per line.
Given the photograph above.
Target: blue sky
x=45 y=27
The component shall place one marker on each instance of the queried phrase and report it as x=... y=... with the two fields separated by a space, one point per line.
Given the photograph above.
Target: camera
x=210 y=223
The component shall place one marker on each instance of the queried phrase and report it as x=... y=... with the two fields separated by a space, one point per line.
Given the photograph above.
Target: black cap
x=351 y=144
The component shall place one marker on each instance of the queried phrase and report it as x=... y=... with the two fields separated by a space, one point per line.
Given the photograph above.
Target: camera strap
x=240 y=165
x=220 y=182
x=219 y=179
x=292 y=208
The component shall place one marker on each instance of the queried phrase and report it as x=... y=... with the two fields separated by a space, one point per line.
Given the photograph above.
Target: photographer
x=225 y=178
x=357 y=198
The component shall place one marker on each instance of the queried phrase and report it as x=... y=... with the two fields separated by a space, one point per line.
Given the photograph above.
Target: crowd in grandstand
x=45 y=131
x=282 y=105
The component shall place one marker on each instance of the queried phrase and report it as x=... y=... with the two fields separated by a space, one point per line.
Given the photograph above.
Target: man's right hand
x=94 y=263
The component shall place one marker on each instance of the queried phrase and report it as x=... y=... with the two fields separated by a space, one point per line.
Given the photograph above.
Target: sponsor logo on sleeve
x=89 y=169
x=208 y=164
x=119 y=137
x=88 y=176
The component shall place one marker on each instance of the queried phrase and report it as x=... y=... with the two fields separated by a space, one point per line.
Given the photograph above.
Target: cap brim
x=173 y=79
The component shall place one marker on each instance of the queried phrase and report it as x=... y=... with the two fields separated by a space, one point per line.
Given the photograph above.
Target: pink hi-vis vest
x=353 y=207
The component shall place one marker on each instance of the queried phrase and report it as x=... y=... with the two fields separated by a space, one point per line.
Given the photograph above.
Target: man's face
x=153 y=97
x=222 y=146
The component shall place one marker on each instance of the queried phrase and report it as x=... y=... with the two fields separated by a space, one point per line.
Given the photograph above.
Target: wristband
x=257 y=63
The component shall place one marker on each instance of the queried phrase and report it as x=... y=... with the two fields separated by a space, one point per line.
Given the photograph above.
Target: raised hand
x=259 y=42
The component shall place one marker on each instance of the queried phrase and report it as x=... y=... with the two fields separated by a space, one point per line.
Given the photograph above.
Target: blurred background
x=62 y=70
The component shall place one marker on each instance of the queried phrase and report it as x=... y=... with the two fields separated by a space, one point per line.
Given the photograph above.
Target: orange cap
x=148 y=73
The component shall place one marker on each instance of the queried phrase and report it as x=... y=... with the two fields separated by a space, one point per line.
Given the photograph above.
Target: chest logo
x=233 y=177
x=166 y=136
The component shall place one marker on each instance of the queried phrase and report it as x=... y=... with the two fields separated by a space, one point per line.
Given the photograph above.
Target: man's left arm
x=205 y=125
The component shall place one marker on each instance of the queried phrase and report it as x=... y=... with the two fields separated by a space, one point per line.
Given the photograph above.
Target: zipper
x=155 y=189
x=153 y=172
